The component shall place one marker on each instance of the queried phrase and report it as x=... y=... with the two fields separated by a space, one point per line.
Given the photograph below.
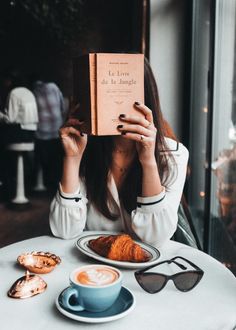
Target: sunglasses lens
x=152 y=283
x=186 y=281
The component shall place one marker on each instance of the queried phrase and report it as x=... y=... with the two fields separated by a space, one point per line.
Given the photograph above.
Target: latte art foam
x=97 y=276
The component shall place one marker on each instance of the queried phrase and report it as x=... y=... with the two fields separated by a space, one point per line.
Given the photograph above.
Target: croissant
x=119 y=247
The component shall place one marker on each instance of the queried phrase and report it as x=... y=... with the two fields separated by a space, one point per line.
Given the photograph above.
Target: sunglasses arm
x=178 y=264
x=188 y=261
x=160 y=263
x=170 y=261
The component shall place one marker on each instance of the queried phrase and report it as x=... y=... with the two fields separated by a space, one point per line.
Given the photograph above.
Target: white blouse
x=154 y=220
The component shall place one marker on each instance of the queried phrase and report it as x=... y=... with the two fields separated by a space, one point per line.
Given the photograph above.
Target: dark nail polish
x=123 y=133
x=82 y=134
x=122 y=115
x=137 y=103
x=119 y=126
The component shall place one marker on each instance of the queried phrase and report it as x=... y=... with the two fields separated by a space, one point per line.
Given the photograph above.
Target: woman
x=132 y=182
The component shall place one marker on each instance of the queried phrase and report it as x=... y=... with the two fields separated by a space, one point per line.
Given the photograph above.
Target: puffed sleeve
x=68 y=213
x=155 y=218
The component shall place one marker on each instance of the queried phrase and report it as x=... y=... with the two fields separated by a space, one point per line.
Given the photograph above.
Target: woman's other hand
x=74 y=143
x=141 y=130
x=73 y=140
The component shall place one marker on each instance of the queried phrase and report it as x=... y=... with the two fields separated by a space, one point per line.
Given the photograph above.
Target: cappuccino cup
x=93 y=288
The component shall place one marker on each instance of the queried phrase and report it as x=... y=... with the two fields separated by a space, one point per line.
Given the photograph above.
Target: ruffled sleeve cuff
x=70 y=199
x=151 y=203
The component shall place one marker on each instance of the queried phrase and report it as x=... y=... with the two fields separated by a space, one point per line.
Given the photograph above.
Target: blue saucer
x=124 y=304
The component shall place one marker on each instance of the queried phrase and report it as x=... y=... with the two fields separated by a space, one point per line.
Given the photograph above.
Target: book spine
x=93 y=93
x=82 y=92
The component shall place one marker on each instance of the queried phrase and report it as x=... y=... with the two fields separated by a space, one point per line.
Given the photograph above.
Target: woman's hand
x=74 y=143
x=141 y=130
x=73 y=140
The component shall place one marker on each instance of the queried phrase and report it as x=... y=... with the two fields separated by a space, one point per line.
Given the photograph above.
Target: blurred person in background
x=18 y=121
x=51 y=112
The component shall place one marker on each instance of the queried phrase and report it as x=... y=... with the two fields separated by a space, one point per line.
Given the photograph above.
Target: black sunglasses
x=153 y=282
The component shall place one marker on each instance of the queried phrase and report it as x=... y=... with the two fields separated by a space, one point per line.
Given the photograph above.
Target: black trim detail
x=171 y=150
x=77 y=199
x=152 y=203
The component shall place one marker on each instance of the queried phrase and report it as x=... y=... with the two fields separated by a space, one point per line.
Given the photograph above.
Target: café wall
x=167 y=23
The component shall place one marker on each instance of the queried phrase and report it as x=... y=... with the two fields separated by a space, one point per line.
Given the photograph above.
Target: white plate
x=82 y=245
x=124 y=304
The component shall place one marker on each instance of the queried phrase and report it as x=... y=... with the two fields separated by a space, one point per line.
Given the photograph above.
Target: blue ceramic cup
x=94 y=288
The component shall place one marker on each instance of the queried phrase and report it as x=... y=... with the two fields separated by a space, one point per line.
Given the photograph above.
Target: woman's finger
x=138 y=137
x=136 y=120
x=136 y=129
x=145 y=110
x=73 y=122
x=65 y=131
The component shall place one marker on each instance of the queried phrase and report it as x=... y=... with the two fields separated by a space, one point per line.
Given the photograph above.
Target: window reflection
x=212 y=181
x=224 y=129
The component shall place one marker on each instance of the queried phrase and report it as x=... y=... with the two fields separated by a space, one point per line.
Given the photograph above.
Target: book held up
x=105 y=86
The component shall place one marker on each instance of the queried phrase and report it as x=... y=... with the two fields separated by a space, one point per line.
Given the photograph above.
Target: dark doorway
x=44 y=36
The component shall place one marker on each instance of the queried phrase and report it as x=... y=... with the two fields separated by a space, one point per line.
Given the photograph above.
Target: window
x=212 y=181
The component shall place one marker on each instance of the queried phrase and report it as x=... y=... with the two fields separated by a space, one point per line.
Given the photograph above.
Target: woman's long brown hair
x=97 y=160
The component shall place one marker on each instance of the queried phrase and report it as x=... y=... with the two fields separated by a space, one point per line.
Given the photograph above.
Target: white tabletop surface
x=209 y=306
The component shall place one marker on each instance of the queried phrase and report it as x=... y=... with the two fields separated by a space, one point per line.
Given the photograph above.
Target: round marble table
x=211 y=305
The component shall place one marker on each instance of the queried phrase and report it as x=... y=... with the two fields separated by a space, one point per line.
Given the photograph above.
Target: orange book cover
x=107 y=85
